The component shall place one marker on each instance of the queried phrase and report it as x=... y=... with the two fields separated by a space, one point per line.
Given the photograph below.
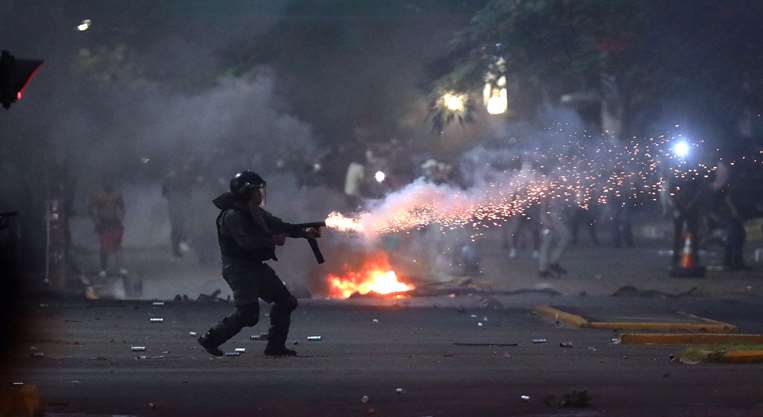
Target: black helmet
x=243 y=183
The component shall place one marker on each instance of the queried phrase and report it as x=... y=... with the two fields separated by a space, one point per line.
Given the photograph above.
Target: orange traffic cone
x=687 y=259
x=687 y=265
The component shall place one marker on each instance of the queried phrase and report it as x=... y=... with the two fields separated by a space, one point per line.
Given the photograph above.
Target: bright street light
x=380 y=176
x=681 y=149
x=454 y=102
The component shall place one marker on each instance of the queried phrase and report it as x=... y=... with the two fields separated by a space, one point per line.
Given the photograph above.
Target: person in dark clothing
x=687 y=194
x=177 y=188
x=587 y=218
x=735 y=236
x=622 y=224
x=248 y=235
x=727 y=214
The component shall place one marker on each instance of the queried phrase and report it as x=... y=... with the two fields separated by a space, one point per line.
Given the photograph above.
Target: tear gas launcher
x=300 y=227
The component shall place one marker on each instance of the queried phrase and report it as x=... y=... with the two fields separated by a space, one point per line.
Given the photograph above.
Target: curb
x=707 y=325
x=742 y=356
x=563 y=316
x=688 y=338
x=665 y=326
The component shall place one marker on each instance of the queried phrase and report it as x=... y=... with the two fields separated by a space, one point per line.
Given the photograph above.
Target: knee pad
x=289 y=304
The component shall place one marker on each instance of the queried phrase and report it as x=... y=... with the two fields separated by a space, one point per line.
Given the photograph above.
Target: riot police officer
x=248 y=235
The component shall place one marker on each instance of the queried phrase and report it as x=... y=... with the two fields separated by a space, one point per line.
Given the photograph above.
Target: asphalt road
x=88 y=367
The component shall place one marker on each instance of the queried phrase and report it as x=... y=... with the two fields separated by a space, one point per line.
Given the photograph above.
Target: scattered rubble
x=209 y=298
x=565 y=344
x=144 y=357
x=631 y=291
x=573 y=399
x=485 y=344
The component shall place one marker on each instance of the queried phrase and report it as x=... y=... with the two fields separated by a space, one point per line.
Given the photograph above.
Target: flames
x=374 y=276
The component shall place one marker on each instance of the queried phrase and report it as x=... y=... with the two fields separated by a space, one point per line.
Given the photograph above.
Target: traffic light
x=14 y=77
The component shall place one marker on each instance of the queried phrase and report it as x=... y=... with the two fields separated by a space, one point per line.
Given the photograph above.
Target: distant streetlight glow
x=454 y=102
x=380 y=176
x=681 y=149
x=85 y=25
x=496 y=98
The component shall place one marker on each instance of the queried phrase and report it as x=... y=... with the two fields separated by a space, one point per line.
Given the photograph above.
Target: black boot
x=282 y=351
x=210 y=347
x=219 y=334
x=280 y=321
x=277 y=340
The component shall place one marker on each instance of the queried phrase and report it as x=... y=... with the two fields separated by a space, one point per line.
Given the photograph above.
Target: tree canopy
x=651 y=53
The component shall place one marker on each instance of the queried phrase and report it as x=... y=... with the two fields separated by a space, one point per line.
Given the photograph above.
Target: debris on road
x=209 y=298
x=192 y=333
x=156 y=320
x=525 y=398
x=485 y=344
x=37 y=354
x=631 y=291
x=157 y=303
x=479 y=323
x=234 y=353
x=615 y=340
x=576 y=399
x=259 y=337
x=240 y=350
x=540 y=341
x=375 y=320
x=399 y=390
x=138 y=348
x=565 y=344
x=315 y=338
x=364 y=399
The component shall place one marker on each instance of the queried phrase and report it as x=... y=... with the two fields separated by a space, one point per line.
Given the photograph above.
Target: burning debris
x=374 y=277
